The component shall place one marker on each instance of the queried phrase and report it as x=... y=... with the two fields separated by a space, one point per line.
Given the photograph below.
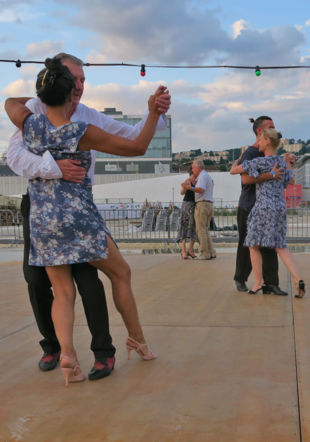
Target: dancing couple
x=266 y=222
x=66 y=227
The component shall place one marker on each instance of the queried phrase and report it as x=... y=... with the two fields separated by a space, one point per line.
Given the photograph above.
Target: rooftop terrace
x=231 y=366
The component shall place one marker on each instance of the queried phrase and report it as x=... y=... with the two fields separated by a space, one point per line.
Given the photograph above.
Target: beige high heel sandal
x=142 y=349
x=71 y=370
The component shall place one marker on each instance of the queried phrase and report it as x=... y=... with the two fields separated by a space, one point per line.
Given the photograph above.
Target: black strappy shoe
x=253 y=292
x=301 y=289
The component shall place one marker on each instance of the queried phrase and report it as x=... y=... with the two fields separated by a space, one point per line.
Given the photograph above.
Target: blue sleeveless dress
x=65 y=224
x=267 y=220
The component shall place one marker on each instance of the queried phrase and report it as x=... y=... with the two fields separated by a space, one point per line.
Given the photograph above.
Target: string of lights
x=257 y=69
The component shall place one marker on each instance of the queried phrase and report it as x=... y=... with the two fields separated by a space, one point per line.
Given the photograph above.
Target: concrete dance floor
x=231 y=366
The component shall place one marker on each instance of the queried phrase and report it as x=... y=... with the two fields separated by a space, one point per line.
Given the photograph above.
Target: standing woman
x=267 y=219
x=66 y=227
x=187 y=230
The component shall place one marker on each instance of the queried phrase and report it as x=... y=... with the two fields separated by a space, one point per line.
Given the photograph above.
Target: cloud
x=16 y=11
x=9 y=54
x=219 y=117
x=46 y=48
x=173 y=31
x=96 y=57
x=279 y=45
x=240 y=26
x=178 y=31
x=307 y=23
x=19 y=88
x=129 y=99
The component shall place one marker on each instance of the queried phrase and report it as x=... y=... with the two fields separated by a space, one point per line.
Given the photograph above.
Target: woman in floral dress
x=65 y=224
x=187 y=230
x=267 y=219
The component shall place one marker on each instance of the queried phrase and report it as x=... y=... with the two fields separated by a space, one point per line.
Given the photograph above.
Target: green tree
x=208 y=162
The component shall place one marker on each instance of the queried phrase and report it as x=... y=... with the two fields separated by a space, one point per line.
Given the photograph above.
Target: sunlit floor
x=231 y=366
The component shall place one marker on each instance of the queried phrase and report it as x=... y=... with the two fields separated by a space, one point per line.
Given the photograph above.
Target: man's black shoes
x=101 y=368
x=273 y=290
x=267 y=289
x=241 y=286
x=49 y=361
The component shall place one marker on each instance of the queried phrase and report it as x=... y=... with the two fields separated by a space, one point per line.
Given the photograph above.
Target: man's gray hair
x=75 y=60
x=199 y=163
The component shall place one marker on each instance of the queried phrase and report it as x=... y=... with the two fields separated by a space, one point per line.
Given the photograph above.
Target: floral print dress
x=267 y=219
x=65 y=225
x=187 y=229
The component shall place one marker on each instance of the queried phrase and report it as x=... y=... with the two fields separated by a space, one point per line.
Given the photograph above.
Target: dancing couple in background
x=266 y=222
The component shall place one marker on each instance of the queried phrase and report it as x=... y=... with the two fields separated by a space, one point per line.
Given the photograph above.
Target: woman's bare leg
x=184 y=252
x=118 y=271
x=191 y=246
x=257 y=265
x=289 y=263
x=63 y=307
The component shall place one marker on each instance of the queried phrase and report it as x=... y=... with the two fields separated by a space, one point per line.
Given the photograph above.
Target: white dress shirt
x=29 y=165
x=205 y=182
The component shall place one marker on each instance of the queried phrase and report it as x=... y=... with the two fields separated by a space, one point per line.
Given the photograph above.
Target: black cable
x=19 y=62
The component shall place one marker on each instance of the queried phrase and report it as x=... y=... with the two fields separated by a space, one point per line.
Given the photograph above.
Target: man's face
x=267 y=124
x=79 y=79
x=263 y=142
x=195 y=169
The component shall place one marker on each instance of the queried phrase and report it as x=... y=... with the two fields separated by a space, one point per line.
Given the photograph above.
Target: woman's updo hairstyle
x=54 y=83
x=273 y=135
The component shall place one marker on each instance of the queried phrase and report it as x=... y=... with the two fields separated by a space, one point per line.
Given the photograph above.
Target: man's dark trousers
x=243 y=260
x=89 y=286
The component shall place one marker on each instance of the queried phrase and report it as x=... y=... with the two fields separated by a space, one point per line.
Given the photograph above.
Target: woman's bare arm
x=236 y=169
x=97 y=139
x=17 y=111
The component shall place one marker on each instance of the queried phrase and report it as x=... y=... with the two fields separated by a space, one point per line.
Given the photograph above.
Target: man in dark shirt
x=246 y=202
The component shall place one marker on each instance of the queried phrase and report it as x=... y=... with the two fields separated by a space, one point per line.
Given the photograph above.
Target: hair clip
x=43 y=79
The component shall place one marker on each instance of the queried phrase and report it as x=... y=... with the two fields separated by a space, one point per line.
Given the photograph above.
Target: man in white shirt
x=203 y=209
x=90 y=287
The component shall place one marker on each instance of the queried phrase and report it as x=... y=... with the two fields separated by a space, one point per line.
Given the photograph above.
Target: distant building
x=292 y=148
x=157 y=158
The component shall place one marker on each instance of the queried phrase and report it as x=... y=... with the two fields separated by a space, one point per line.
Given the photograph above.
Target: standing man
x=246 y=202
x=90 y=287
x=203 y=209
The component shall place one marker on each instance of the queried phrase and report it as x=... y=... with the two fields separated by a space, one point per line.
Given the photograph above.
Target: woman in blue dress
x=65 y=224
x=267 y=219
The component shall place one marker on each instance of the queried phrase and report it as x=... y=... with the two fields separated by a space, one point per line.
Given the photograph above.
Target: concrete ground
x=231 y=366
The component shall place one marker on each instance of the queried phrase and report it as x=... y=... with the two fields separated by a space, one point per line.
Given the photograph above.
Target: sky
x=210 y=107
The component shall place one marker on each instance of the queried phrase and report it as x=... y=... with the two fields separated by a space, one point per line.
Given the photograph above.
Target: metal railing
x=161 y=225
x=11 y=231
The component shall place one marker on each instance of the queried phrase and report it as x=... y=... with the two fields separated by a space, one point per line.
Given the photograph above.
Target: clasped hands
x=160 y=101
x=187 y=185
